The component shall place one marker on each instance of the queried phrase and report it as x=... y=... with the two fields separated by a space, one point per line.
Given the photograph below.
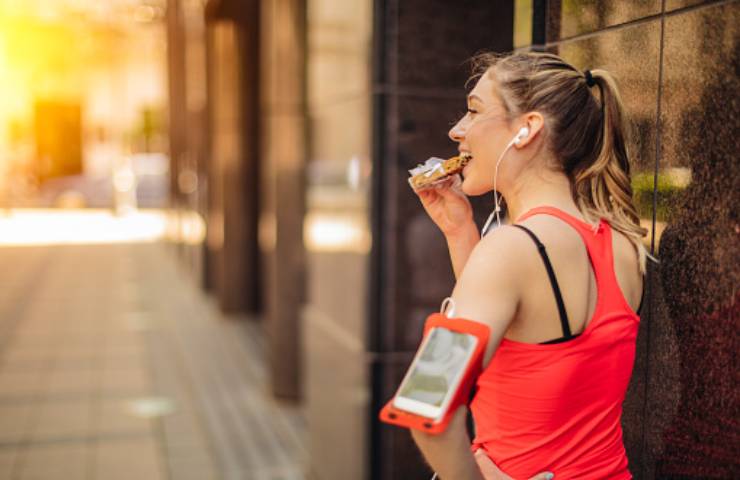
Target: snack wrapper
x=435 y=171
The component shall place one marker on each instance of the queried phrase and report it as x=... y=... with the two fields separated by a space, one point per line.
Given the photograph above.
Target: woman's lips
x=467 y=158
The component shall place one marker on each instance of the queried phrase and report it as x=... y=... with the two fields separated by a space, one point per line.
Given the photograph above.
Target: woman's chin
x=470 y=188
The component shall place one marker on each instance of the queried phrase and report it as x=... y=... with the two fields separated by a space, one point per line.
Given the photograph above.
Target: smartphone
x=436 y=372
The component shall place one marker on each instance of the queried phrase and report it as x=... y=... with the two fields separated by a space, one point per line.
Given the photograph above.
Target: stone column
x=234 y=154
x=282 y=187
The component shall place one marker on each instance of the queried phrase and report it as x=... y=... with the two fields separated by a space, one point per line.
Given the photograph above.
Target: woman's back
x=536 y=321
x=558 y=406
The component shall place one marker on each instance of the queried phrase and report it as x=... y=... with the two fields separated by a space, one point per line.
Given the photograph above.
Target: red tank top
x=558 y=407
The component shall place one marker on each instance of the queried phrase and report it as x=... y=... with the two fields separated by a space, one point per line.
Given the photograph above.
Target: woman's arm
x=450 y=209
x=461 y=245
x=449 y=452
x=487 y=292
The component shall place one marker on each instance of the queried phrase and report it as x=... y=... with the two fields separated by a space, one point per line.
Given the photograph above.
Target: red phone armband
x=392 y=415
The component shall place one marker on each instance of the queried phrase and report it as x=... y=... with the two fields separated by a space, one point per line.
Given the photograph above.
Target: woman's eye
x=470 y=110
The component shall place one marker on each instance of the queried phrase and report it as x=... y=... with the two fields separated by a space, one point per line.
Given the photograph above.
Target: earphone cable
x=497 y=208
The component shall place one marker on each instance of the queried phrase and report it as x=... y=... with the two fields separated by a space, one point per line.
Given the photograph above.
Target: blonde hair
x=587 y=135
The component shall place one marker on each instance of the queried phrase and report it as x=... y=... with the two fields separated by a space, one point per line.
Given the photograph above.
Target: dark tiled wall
x=677 y=65
x=418 y=93
x=678 y=72
x=571 y=18
x=693 y=406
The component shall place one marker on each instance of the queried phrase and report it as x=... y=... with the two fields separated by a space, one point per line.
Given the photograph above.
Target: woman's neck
x=551 y=189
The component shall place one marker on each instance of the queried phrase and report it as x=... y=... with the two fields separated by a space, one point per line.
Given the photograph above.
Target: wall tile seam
x=628 y=24
x=378 y=56
x=393 y=35
x=658 y=128
x=381 y=69
x=609 y=28
x=377 y=293
x=389 y=312
x=390 y=358
x=649 y=278
x=374 y=330
x=420 y=92
x=384 y=69
x=394 y=356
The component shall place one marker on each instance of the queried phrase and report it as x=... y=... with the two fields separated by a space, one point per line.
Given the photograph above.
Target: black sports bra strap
x=553 y=280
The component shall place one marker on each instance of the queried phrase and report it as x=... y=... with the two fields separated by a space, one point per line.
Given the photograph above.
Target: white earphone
x=521 y=135
x=517 y=140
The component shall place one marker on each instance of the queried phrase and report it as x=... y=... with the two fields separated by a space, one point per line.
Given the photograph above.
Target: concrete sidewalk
x=114 y=365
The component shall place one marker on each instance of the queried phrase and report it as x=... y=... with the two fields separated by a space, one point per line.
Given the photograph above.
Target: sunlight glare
x=45 y=227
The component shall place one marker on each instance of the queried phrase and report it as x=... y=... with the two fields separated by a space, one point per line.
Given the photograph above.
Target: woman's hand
x=448 y=206
x=491 y=471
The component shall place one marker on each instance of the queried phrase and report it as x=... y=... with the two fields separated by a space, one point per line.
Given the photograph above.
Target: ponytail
x=603 y=188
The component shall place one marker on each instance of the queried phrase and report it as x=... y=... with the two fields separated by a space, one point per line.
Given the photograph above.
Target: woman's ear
x=535 y=122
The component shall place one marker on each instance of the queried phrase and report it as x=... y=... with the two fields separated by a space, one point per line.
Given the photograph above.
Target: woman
x=559 y=287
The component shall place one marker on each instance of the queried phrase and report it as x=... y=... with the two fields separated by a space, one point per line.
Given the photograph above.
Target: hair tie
x=590 y=81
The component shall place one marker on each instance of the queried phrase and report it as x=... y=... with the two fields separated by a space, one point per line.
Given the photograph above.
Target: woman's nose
x=456 y=133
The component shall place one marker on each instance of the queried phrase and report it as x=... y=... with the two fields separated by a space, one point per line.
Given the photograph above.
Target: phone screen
x=437 y=369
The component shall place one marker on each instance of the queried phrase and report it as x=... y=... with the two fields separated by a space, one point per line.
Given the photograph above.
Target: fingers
x=448 y=182
x=450 y=189
x=491 y=471
x=427 y=192
x=442 y=187
x=456 y=181
x=488 y=468
x=428 y=196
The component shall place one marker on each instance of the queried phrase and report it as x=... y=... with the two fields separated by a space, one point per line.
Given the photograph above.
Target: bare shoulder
x=490 y=286
x=624 y=249
x=493 y=275
x=503 y=255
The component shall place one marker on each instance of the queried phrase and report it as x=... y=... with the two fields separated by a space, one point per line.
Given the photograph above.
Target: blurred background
x=213 y=267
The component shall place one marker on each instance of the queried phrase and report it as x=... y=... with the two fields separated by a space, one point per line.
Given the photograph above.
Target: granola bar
x=434 y=170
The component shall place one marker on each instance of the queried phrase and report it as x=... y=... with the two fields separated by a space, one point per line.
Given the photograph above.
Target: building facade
x=294 y=123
